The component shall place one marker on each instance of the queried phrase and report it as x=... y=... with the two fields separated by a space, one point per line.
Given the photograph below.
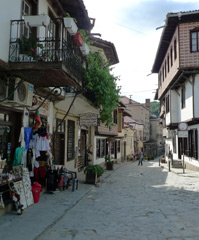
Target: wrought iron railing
x=47 y=49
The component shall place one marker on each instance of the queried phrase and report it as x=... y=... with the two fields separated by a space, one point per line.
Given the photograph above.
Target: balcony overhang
x=44 y=74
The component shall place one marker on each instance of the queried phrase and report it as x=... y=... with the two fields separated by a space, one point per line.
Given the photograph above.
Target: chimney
x=130 y=100
x=148 y=104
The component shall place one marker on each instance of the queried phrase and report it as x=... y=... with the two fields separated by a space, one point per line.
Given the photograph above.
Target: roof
x=108 y=47
x=126 y=101
x=129 y=120
x=171 y=22
x=77 y=10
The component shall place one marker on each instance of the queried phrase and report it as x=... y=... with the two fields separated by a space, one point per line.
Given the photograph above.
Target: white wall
x=10 y=10
x=196 y=96
x=187 y=112
x=175 y=106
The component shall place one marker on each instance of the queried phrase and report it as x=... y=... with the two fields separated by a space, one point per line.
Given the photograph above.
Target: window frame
x=100 y=147
x=183 y=97
x=196 y=31
x=175 y=49
x=70 y=145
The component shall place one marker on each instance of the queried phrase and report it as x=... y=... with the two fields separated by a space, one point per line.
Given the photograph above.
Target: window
x=183 y=97
x=100 y=148
x=118 y=146
x=71 y=140
x=115 y=116
x=195 y=40
x=165 y=69
x=167 y=103
x=168 y=63
x=112 y=147
x=26 y=10
x=171 y=56
x=175 y=49
x=60 y=126
x=174 y=143
x=159 y=78
x=193 y=143
x=163 y=73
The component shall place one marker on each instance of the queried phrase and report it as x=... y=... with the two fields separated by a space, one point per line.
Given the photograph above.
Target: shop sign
x=183 y=134
x=88 y=119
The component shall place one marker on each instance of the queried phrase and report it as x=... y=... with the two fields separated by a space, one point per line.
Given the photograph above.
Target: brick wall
x=188 y=59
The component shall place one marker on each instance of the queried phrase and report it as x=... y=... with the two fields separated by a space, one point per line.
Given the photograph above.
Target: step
x=177 y=164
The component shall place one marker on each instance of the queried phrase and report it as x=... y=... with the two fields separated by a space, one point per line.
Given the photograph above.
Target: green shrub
x=94 y=169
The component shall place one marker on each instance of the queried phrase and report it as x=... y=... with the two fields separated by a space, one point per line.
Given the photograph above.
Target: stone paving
x=132 y=202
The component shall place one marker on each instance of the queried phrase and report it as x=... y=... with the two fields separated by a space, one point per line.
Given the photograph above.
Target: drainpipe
x=193 y=100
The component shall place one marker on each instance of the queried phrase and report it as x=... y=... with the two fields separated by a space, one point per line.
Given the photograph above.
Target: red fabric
x=60 y=184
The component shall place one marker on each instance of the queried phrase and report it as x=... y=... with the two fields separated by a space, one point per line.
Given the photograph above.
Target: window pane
x=193 y=41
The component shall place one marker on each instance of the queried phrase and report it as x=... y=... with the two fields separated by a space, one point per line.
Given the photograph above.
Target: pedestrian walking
x=140 y=158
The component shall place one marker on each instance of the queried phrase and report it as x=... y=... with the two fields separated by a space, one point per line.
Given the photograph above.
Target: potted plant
x=93 y=173
x=37 y=20
x=70 y=24
x=109 y=163
x=27 y=48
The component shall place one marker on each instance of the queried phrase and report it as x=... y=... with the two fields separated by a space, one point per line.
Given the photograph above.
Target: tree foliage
x=155 y=108
x=100 y=82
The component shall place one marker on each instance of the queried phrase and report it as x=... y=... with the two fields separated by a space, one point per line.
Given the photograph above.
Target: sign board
x=183 y=134
x=88 y=119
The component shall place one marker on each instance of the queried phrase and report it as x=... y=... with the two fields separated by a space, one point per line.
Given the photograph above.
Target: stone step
x=177 y=164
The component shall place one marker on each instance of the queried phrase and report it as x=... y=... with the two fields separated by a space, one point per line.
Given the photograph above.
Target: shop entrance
x=59 y=149
x=82 y=161
x=9 y=134
x=59 y=145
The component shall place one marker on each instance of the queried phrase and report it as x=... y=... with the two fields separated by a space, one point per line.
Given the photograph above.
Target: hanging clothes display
x=28 y=135
x=30 y=159
x=18 y=156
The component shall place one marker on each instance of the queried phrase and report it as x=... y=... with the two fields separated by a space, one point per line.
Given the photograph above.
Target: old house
x=176 y=64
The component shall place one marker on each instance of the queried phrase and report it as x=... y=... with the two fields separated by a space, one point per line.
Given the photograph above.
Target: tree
x=102 y=85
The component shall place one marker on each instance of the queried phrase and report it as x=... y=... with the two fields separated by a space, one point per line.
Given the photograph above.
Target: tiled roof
x=172 y=20
x=129 y=120
x=126 y=101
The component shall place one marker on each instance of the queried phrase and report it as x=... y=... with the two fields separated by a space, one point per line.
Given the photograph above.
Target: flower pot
x=84 y=49
x=109 y=166
x=70 y=25
x=78 y=39
x=91 y=178
x=37 y=20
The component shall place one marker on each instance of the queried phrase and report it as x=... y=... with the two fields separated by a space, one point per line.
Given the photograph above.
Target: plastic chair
x=73 y=178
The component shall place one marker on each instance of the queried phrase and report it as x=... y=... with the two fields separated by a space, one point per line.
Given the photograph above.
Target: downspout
x=193 y=100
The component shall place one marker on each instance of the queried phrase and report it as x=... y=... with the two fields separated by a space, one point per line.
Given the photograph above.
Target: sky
x=131 y=26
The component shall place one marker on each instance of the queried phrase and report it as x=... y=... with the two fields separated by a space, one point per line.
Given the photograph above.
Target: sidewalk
x=41 y=216
x=179 y=171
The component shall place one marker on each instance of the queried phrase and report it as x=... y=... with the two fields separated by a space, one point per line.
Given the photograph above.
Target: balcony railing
x=45 y=49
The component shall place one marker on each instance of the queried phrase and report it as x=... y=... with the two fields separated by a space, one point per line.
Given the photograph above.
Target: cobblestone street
x=132 y=202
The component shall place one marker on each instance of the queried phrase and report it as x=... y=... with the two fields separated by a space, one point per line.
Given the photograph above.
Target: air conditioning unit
x=18 y=96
